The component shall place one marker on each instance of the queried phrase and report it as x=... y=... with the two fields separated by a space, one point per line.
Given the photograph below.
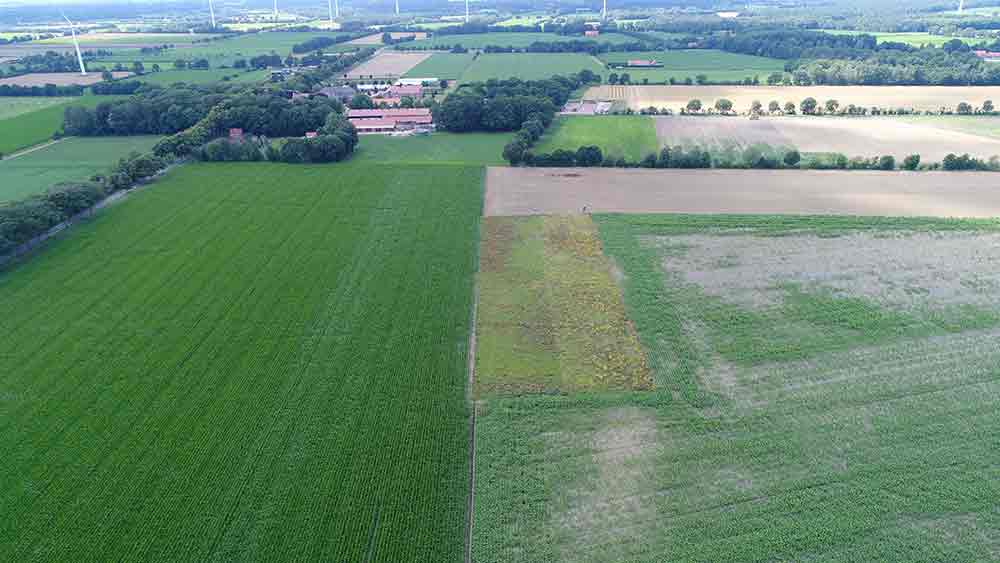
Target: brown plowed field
x=849 y=136
x=543 y=191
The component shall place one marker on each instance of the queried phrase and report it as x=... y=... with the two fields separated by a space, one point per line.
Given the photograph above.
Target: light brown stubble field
x=541 y=191
x=924 y=98
x=850 y=136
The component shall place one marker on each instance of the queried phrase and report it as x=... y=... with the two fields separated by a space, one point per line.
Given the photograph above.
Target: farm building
x=417 y=81
x=637 y=63
x=389 y=120
x=988 y=55
x=342 y=93
x=405 y=90
x=591 y=33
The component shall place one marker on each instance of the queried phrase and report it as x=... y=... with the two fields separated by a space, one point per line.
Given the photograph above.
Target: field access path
x=543 y=191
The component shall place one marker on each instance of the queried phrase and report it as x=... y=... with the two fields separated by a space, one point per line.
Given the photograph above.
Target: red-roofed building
x=406 y=90
x=988 y=55
x=387 y=120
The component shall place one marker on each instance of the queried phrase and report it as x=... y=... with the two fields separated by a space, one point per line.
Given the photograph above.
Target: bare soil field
x=541 y=191
x=376 y=38
x=925 y=98
x=58 y=78
x=388 y=64
x=849 y=136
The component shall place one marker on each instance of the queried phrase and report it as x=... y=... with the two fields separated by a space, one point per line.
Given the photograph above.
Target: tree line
x=334 y=142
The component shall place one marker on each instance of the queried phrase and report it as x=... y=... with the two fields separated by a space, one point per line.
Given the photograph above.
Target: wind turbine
x=466 y=11
x=79 y=55
x=961 y=6
x=329 y=6
x=604 y=11
x=211 y=12
x=397 y=7
x=275 y=11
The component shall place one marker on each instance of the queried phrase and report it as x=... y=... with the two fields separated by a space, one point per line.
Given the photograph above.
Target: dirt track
x=849 y=136
x=541 y=191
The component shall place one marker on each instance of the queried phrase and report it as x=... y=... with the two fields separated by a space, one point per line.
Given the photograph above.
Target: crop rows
x=248 y=362
x=826 y=428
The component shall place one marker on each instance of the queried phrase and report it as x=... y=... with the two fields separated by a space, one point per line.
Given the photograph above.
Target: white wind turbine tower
x=397 y=7
x=466 y=11
x=604 y=11
x=79 y=55
x=211 y=12
x=329 y=6
x=275 y=11
x=961 y=6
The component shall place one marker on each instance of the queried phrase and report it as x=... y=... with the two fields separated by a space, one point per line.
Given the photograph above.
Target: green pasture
x=72 y=159
x=528 y=66
x=915 y=39
x=245 y=362
x=167 y=77
x=985 y=125
x=97 y=40
x=629 y=136
x=484 y=149
x=449 y=66
x=716 y=65
x=15 y=106
x=32 y=128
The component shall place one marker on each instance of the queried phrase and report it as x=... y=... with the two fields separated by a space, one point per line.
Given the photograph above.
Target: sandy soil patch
x=388 y=64
x=925 y=98
x=901 y=270
x=852 y=137
x=543 y=191
x=58 y=78
x=614 y=508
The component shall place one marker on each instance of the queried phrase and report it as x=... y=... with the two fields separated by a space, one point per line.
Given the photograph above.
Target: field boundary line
x=31 y=149
x=471 y=505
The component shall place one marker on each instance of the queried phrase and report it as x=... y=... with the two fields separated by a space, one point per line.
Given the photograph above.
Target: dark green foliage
x=26 y=219
x=911 y=162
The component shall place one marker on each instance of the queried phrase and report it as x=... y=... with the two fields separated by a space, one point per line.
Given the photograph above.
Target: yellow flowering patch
x=551 y=317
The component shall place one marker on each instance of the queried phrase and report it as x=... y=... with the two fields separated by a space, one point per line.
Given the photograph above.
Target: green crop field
x=13 y=107
x=32 y=128
x=112 y=39
x=73 y=159
x=484 y=149
x=718 y=66
x=809 y=403
x=448 y=66
x=168 y=77
x=245 y=362
x=509 y=39
x=528 y=66
x=629 y=136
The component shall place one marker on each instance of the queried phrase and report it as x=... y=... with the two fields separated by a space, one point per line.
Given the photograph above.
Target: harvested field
x=388 y=64
x=849 y=136
x=58 y=78
x=924 y=98
x=539 y=191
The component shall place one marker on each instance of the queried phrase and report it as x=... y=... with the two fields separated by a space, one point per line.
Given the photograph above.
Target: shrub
x=911 y=162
